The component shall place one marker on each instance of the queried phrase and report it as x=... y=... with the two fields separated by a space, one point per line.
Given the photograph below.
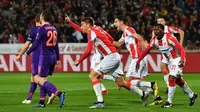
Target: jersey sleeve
x=173 y=29
x=37 y=41
x=144 y=53
x=30 y=37
x=131 y=30
x=75 y=26
x=87 y=52
x=176 y=45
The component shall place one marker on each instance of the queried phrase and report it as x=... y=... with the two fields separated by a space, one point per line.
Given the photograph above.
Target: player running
x=110 y=62
x=134 y=43
x=97 y=57
x=164 y=63
x=175 y=54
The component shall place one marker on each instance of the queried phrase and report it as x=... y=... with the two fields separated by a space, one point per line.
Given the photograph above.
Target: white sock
x=103 y=87
x=171 y=91
x=137 y=90
x=108 y=77
x=187 y=90
x=149 y=90
x=166 y=79
x=98 y=92
x=140 y=83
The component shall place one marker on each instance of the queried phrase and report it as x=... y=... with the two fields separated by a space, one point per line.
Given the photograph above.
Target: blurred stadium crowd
x=17 y=16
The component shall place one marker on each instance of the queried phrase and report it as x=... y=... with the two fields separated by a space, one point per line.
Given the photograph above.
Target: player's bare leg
x=165 y=71
x=94 y=77
x=127 y=84
x=32 y=89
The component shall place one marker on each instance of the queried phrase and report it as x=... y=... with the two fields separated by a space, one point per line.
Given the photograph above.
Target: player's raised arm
x=181 y=32
x=177 y=30
x=36 y=43
x=74 y=25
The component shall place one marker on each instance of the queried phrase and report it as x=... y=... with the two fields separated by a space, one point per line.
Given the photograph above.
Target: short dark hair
x=88 y=20
x=161 y=26
x=121 y=18
x=46 y=15
x=37 y=18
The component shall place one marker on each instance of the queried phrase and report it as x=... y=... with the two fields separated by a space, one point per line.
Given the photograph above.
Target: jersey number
x=53 y=38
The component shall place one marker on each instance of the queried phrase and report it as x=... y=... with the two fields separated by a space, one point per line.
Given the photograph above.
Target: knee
x=163 y=67
x=93 y=76
x=180 y=81
x=172 y=81
x=122 y=83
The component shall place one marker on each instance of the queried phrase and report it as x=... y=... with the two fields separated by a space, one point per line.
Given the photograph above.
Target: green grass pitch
x=80 y=94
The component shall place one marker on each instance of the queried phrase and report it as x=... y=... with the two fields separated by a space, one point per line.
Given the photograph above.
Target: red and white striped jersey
x=101 y=41
x=131 y=42
x=170 y=29
x=166 y=46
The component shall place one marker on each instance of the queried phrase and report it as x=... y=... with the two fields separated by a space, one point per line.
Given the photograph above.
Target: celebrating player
x=164 y=62
x=110 y=62
x=49 y=57
x=96 y=56
x=134 y=43
x=34 y=61
x=175 y=54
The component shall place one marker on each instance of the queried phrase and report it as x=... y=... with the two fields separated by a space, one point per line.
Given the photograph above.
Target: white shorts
x=96 y=58
x=142 y=72
x=112 y=64
x=174 y=68
x=165 y=60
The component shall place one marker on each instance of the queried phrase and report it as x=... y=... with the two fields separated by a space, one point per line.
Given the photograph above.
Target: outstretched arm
x=144 y=53
x=87 y=52
x=74 y=25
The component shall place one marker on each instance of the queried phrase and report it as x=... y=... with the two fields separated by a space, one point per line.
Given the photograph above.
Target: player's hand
x=67 y=17
x=137 y=67
x=18 y=57
x=26 y=55
x=58 y=64
x=181 y=64
x=76 y=63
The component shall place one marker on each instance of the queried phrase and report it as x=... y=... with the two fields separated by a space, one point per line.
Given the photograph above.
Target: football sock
x=166 y=76
x=103 y=87
x=51 y=88
x=108 y=77
x=186 y=88
x=172 y=88
x=97 y=89
x=134 y=88
x=49 y=93
x=140 y=83
x=31 y=90
x=42 y=94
